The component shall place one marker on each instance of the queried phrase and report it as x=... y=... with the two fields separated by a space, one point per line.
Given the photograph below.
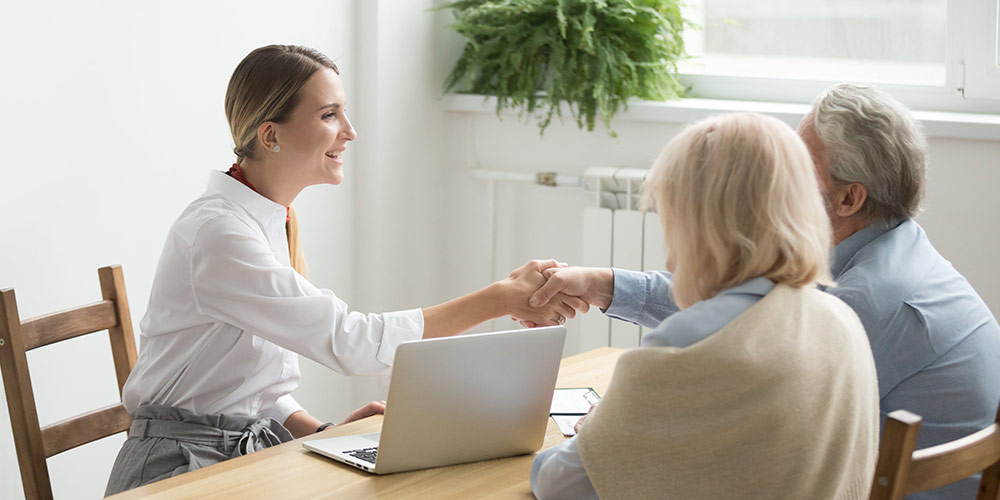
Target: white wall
x=402 y=193
x=112 y=119
x=961 y=208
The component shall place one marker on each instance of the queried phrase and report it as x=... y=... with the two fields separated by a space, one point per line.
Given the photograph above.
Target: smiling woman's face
x=315 y=136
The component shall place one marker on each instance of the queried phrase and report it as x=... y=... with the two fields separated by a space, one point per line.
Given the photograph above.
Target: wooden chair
x=34 y=443
x=902 y=471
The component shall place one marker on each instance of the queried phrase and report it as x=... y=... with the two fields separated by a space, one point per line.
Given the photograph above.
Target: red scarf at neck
x=236 y=172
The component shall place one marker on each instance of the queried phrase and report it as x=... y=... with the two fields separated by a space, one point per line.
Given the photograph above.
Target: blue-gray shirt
x=558 y=472
x=935 y=343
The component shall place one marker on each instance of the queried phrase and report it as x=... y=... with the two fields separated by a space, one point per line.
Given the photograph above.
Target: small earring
x=277 y=148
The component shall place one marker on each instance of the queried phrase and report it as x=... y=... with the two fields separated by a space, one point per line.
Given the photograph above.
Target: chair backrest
x=902 y=471
x=34 y=443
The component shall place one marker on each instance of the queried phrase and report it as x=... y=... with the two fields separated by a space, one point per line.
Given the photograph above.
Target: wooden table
x=288 y=471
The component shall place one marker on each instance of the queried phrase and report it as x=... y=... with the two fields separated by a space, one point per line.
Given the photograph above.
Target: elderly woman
x=230 y=306
x=761 y=386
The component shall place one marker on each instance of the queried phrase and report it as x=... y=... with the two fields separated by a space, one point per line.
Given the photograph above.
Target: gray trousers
x=164 y=442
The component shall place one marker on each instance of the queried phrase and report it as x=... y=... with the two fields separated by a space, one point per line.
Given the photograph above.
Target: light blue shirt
x=558 y=472
x=935 y=343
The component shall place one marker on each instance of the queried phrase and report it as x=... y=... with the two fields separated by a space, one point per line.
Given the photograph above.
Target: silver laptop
x=459 y=399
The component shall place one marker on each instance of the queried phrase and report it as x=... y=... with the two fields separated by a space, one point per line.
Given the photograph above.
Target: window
x=933 y=54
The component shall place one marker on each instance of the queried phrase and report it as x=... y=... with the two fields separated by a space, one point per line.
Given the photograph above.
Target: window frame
x=972 y=75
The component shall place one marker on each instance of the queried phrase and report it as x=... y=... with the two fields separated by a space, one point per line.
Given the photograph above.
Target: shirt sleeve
x=558 y=473
x=642 y=298
x=282 y=409
x=237 y=279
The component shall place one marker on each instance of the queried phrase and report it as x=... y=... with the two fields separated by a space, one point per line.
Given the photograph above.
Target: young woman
x=757 y=385
x=228 y=312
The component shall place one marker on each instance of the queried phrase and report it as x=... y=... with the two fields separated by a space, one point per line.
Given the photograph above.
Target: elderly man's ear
x=849 y=198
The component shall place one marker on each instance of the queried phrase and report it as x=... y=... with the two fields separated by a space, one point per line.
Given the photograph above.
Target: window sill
x=937 y=124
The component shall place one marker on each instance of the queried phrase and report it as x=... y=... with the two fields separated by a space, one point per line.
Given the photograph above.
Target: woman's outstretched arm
x=507 y=297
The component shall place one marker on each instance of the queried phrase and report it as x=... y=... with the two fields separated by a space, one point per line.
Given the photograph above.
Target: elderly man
x=936 y=344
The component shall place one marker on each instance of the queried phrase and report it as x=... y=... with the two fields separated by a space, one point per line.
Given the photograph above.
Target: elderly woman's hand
x=594 y=285
x=525 y=281
x=579 y=423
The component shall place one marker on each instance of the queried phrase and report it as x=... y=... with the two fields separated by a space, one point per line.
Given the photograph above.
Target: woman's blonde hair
x=265 y=88
x=738 y=199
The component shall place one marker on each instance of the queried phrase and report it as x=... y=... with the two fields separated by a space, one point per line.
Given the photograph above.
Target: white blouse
x=227 y=313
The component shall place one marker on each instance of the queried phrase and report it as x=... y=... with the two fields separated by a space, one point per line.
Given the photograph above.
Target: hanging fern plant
x=592 y=54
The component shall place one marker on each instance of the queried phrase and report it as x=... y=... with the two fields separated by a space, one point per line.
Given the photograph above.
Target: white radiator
x=616 y=234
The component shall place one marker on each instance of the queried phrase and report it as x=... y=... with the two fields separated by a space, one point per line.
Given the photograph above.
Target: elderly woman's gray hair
x=872 y=139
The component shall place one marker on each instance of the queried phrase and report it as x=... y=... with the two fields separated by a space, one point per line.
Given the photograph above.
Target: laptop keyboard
x=366 y=454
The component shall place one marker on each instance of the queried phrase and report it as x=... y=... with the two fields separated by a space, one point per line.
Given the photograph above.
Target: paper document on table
x=570 y=405
x=574 y=401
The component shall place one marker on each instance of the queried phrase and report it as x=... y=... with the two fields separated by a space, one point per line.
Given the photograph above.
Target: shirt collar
x=259 y=207
x=759 y=286
x=844 y=251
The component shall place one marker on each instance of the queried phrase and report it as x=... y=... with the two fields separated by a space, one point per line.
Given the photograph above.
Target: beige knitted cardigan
x=781 y=403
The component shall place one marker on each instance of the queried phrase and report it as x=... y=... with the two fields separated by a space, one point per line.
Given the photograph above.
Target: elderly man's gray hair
x=872 y=139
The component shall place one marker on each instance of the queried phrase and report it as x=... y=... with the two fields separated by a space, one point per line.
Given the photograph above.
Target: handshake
x=547 y=292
